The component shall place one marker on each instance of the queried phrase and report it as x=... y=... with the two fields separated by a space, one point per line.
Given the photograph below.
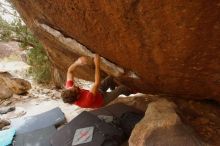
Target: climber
x=97 y=96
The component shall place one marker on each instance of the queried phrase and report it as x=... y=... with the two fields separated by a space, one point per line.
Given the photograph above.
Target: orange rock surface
x=172 y=46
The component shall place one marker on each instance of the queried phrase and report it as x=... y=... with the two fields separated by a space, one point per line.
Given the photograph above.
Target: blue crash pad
x=6 y=136
x=53 y=117
x=40 y=137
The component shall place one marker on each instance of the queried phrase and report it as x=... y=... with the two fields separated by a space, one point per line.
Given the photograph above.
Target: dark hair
x=69 y=96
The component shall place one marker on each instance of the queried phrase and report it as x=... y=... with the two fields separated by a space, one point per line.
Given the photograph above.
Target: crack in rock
x=79 y=49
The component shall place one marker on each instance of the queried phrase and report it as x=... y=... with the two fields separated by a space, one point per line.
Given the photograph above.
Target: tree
x=17 y=31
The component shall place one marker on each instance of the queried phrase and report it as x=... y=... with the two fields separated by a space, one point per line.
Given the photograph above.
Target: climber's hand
x=96 y=59
x=81 y=61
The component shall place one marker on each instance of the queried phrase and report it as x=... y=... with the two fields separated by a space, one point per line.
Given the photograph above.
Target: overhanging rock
x=169 y=47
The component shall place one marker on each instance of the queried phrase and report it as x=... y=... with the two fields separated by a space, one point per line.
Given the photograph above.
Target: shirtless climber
x=97 y=96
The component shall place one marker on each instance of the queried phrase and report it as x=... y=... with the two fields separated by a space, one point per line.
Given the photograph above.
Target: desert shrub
x=40 y=66
x=17 y=31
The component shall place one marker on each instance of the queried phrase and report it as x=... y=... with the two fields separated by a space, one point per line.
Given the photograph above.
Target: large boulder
x=5 y=92
x=162 y=126
x=16 y=85
x=167 y=47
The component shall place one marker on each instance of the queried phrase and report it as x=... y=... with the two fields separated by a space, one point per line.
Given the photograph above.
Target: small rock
x=6 y=103
x=15 y=114
x=57 y=94
x=16 y=96
x=50 y=94
x=26 y=97
x=6 y=127
x=30 y=96
x=38 y=90
x=46 y=91
x=55 y=97
x=3 y=123
x=4 y=110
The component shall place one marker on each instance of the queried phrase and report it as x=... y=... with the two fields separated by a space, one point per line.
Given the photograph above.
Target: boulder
x=138 y=101
x=6 y=109
x=169 y=47
x=162 y=126
x=5 y=92
x=4 y=123
x=16 y=85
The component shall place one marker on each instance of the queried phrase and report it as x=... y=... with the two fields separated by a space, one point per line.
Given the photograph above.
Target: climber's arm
x=79 y=62
x=96 y=85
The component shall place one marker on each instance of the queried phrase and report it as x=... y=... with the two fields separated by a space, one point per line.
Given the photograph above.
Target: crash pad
x=116 y=110
x=27 y=124
x=40 y=137
x=6 y=136
x=97 y=132
x=126 y=116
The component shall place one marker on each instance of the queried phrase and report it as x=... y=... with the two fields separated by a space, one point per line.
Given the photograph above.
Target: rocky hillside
x=152 y=46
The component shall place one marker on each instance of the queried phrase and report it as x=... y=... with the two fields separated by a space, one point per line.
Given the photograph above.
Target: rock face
x=171 y=46
x=162 y=126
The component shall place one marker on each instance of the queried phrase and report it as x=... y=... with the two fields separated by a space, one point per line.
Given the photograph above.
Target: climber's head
x=70 y=95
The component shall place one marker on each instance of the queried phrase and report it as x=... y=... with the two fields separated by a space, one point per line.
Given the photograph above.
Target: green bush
x=17 y=31
x=40 y=66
